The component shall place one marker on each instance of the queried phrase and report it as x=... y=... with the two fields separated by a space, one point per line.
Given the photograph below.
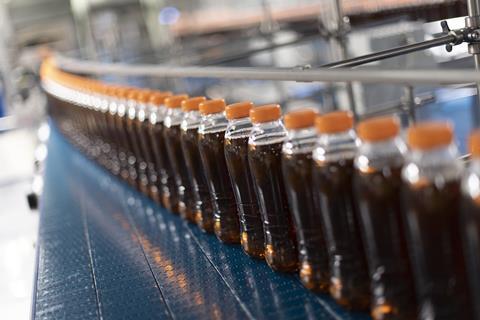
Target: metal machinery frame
x=339 y=71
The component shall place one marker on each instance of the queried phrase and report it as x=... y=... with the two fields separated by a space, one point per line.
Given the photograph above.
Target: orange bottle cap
x=238 y=110
x=430 y=135
x=143 y=96
x=192 y=103
x=378 y=129
x=212 y=106
x=333 y=122
x=158 y=97
x=474 y=143
x=301 y=118
x=266 y=113
x=175 y=101
x=132 y=94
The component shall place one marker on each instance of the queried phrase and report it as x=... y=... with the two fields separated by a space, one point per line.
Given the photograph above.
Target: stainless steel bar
x=473 y=20
x=409 y=103
x=473 y=7
x=441 y=77
x=390 y=53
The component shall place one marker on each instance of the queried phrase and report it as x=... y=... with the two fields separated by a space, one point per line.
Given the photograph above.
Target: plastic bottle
x=333 y=178
x=297 y=170
x=265 y=159
x=211 y=135
x=471 y=220
x=129 y=124
x=166 y=177
x=432 y=186
x=141 y=124
x=172 y=132
x=378 y=165
x=189 y=137
x=236 y=154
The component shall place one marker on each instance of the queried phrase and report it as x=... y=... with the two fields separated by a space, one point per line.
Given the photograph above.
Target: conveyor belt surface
x=107 y=252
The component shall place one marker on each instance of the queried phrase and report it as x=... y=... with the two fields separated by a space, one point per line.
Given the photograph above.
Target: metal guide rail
x=107 y=252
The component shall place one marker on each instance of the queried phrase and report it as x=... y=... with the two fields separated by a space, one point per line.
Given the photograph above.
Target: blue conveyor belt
x=107 y=252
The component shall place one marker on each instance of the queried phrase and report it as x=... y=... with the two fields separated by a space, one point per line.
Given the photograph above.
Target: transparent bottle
x=172 y=133
x=129 y=122
x=122 y=152
x=471 y=220
x=189 y=137
x=141 y=126
x=166 y=177
x=297 y=171
x=265 y=160
x=378 y=165
x=432 y=176
x=333 y=173
x=211 y=136
x=236 y=154
x=120 y=120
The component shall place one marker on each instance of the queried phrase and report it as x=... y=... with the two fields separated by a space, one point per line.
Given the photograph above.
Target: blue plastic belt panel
x=107 y=252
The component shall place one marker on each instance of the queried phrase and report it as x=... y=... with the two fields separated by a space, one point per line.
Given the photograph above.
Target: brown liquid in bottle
x=186 y=199
x=140 y=164
x=130 y=171
x=280 y=243
x=471 y=228
x=166 y=177
x=142 y=128
x=226 y=225
x=350 y=285
x=204 y=206
x=436 y=247
x=313 y=255
x=392 y=287
x=251 y=225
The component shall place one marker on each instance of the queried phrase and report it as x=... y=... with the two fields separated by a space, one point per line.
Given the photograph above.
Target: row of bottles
x=380 y=222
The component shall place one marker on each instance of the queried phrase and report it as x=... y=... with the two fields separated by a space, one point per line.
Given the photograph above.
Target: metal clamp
x=470 y=34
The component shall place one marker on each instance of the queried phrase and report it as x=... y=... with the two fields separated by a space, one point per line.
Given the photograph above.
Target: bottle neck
x=268 y=133
x=142 y=112
x=173 y=117
x=381 y=154
x=471 y=180
x=131 y=109
x=336 y=147
x=215 y=122
x=157 y=113
x=191 y=120
x=436 y=166
x=300 y=141
x=238 y=128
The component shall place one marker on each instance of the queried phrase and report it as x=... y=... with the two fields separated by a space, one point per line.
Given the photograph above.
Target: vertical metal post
x=341 y=42
x=409 y=103
x=473 y=21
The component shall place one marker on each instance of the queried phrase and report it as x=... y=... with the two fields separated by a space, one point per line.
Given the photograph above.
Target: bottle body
x=134 y=138
x=333 y=180
x=166 y=177
x=146 y=145
x=211 y=137
x=297 y=166
x=121 y=125
x=432 y=197
x=203 y=203
x=172 y=134
x=471 y=230
x=265 y=160
x=378 y=186
x=236 y=154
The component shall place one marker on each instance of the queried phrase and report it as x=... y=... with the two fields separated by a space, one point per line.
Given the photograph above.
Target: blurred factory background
x=280 y=33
